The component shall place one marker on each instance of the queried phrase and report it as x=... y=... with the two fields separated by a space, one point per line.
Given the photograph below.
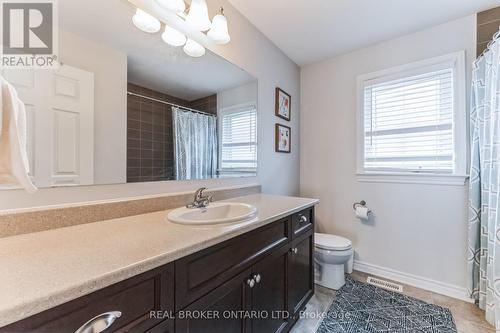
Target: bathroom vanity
x=254 y=276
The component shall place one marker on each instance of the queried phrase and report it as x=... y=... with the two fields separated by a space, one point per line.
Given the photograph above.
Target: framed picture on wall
x=283 y=138
x=283 y=107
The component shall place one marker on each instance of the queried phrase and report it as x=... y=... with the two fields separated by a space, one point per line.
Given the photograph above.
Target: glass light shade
x=193 y=48
x=177 y=6
x=146 y=22
x=197 y=17
x=219 y=33
x=173 y=37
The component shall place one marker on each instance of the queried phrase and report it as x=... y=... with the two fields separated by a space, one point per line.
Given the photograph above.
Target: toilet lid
x=331 y=242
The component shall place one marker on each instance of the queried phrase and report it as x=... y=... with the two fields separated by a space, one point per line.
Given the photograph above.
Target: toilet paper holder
x=362 y=203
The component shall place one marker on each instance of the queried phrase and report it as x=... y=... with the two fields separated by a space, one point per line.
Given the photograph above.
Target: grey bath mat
x=363 y=308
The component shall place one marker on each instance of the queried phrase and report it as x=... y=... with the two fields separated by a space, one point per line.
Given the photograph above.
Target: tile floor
x=468 y=318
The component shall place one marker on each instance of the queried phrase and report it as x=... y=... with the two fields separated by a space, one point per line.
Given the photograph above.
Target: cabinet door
x=60 y=119
x=166 y=326
x=301 y=272
x=228 y=303
x=269 y=297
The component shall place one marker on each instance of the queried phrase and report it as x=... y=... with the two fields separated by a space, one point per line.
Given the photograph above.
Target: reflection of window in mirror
x=238 y=140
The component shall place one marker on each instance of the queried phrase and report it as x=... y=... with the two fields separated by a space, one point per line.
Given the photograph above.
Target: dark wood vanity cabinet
x=254 y=283
x=276 y=282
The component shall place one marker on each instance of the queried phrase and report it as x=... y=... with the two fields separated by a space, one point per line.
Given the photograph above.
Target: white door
x=60 y=107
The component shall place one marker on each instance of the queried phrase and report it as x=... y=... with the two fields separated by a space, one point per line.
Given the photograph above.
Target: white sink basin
x=214 y=213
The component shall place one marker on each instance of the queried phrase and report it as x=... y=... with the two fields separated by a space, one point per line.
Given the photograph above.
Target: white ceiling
x=151 y=62
x=312 y=30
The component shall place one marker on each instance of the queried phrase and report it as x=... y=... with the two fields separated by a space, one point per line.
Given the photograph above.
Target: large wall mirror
x=126 y=107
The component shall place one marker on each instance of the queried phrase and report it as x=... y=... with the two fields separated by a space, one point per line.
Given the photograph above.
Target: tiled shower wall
x=150 y=147
x=206 y=104
x=488 y=23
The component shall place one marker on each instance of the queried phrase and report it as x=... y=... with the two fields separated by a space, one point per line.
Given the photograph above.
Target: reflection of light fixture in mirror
x=177 y=6
x=193 y=23
x=173 y=37
x=146 y=22
x=193 y=48
x=197 y=17
x=219 y=33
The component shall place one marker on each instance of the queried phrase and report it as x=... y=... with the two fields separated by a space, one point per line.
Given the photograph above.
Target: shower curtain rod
x=171 y=104
x=494 y=39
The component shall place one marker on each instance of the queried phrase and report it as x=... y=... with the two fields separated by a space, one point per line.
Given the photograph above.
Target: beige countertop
x=41 y=270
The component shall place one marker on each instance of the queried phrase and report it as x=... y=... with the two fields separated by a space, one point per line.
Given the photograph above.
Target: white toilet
x=333 y=256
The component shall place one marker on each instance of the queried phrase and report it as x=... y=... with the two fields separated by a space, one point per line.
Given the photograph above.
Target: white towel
x=14 y=166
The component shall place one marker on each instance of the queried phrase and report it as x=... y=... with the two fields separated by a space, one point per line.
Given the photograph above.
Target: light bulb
x=197 y=17
x=193 y=48
x=177 y=6
x=146 y=22
x=173 y=37
x=219 y=32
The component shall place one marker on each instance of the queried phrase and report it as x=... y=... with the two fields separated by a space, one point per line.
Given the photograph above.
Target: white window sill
x=410 y=178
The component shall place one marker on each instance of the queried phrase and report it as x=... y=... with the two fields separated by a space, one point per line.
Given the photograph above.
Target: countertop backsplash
x=17 y=222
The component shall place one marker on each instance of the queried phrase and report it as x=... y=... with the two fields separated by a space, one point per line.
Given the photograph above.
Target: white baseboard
x=415 y=281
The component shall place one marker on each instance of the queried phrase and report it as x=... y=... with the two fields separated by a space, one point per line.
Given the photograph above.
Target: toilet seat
x=331 y=242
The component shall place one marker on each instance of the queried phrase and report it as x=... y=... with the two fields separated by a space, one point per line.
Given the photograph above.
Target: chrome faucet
x=200 y=201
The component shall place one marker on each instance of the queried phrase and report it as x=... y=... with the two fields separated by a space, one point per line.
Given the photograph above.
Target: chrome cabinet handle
x=257 y=278
x=303 y=219
x=295 y=250
x=251 y=283
x=99 y=323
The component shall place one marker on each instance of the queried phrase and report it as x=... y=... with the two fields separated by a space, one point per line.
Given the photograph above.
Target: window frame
x=454 y=61
x=220 y=114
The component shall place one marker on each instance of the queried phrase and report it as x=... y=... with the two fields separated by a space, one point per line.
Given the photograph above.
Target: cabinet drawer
x=203 y=271
x=134 y=298
x=302 y=221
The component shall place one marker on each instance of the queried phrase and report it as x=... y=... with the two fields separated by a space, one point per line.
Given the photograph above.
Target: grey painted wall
x=419 y=230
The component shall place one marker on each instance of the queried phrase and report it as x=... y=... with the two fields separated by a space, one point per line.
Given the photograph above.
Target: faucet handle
x=199 y=192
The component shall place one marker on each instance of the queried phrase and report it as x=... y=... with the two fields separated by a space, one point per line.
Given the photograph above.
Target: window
x=238 y=137
x=412 y=119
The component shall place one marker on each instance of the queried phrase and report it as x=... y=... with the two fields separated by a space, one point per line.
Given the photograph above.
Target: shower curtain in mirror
x=484 y=199
x=195 y=144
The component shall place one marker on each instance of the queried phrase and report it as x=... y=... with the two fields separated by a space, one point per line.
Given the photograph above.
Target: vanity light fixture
x=173 y=37
x=177 y=6
x=197 y=17
x=194 y=49
x=219 y=32
x=146 y=22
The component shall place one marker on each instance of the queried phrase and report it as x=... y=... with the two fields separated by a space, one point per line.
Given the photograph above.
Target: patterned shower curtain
x=195 y=144
x=484 y=199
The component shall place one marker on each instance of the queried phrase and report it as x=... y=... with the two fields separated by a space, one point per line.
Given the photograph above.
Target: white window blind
x=408 y=123
x=238 y=139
